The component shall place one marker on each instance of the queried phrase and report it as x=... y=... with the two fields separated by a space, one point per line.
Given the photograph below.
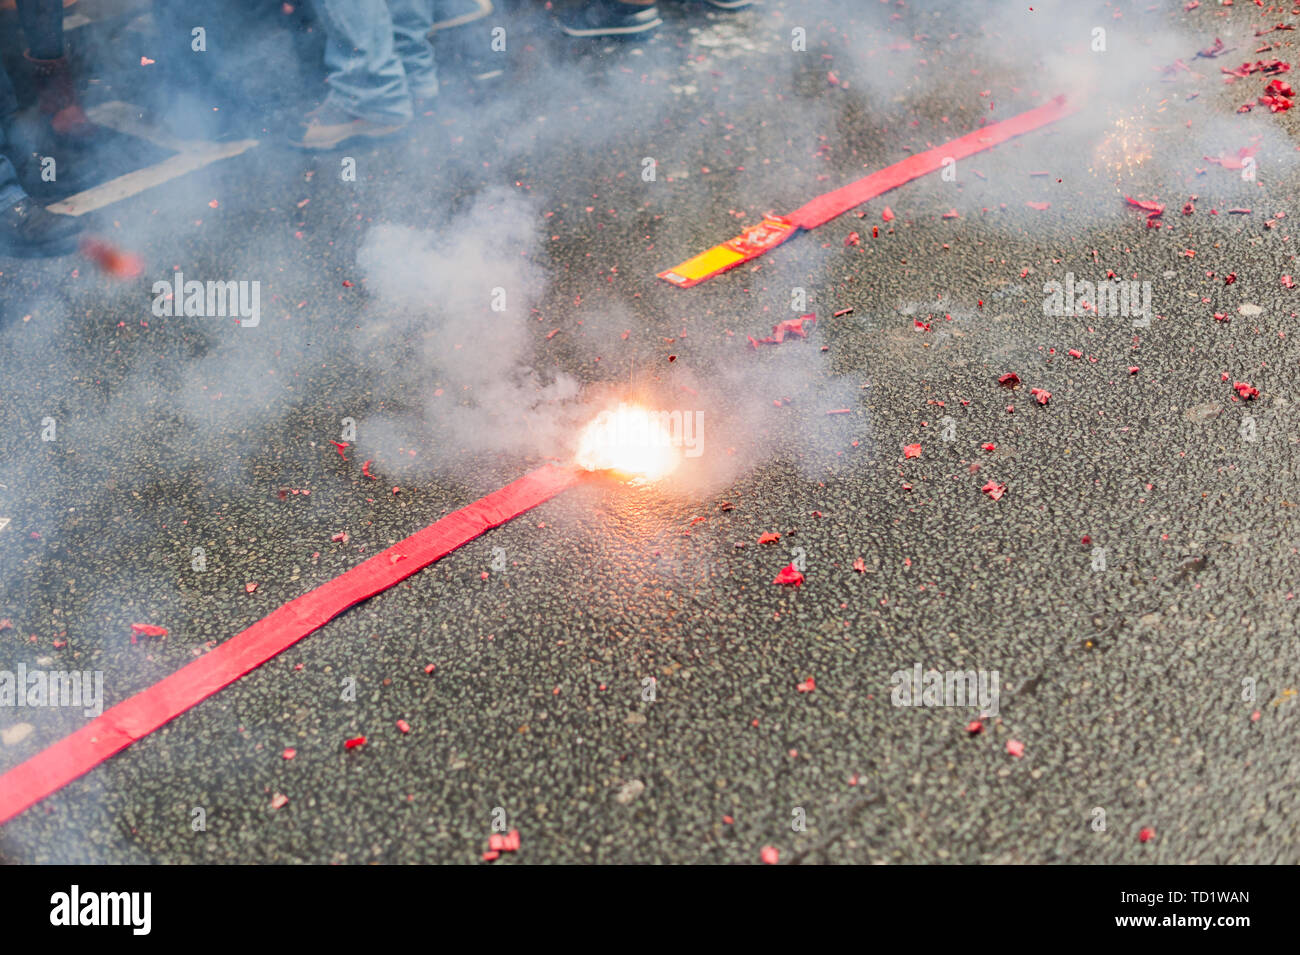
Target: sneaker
x=28 y=231
x=609 y=18
x=729 y=4
x=327 y=126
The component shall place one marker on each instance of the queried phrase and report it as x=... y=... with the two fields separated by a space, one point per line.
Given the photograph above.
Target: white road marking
x=95 y=11
x=125 y=118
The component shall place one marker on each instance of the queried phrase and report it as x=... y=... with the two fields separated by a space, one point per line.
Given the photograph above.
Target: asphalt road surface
x=627 y=684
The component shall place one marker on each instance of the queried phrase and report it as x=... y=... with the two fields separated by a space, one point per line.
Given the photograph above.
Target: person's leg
x=366 y=77
x=10 y=191
x=412 y=20
x=25 y=228
x=612 y=18
x=42 y=23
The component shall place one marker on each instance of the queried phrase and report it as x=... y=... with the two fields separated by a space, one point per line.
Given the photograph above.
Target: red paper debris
x=354 y=742
x=790 y=575
x=1146 y=834
x=769 y=855
x=793 y=326
x=1015 y=747
x=1246 y=391
x=994 y=490
x=1216 y=50
x=911 y=451
x=1009 y=380
x=1267 y=67
x=807 y=686
x=504 y=842
x=769 y=537
x=1153 y=209
x=1233 y=162
x=1041 y=395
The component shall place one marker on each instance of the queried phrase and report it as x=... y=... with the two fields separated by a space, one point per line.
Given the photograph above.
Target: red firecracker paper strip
x=137 y=716
x=775 y=229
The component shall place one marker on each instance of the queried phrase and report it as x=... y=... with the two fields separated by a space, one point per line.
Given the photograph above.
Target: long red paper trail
x=137 y=716
x=773 y=230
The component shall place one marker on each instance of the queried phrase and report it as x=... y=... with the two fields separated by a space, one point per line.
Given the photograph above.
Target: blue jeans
x=378 y=56
x=10 y=192
x=42 y=23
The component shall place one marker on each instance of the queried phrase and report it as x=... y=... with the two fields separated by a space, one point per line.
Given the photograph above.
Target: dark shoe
x=28 y=231
x=729 y=4
x=609 y=18
x=56 y=97
x=327 y=126
x=33 y=182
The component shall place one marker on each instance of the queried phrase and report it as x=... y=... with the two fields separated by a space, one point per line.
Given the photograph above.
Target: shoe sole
x=730 y=4
x=612 y=31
